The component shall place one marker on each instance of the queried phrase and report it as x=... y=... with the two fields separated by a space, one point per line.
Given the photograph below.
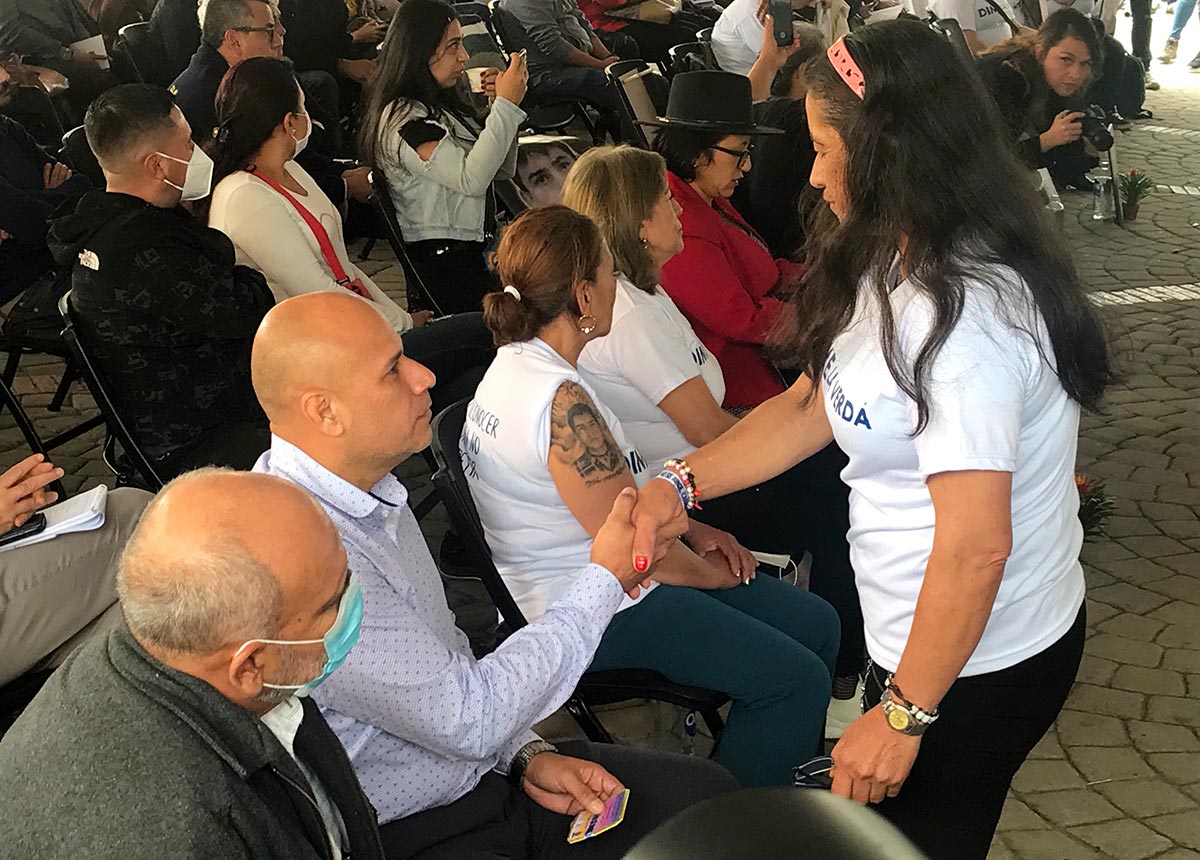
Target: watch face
x=898 y=719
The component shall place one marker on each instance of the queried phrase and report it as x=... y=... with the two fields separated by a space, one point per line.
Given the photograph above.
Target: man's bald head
x=221 y=557
x=313 y=341
x=332 y=376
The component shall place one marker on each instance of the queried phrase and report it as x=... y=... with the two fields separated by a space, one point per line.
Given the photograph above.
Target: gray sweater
x=547 y=30
x=121 y=757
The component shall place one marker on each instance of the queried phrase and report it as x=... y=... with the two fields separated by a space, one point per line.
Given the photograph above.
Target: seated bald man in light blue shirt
x=431 y=730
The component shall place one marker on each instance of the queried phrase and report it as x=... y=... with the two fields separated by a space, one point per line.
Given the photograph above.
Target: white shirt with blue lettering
x=650 y=351
x=537 y=544
x=996 y=405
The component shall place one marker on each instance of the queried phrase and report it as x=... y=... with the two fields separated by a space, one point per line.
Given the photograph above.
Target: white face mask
x=303 y=141
x=198 y=182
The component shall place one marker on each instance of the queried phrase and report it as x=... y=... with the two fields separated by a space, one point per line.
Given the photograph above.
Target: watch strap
x=520 y=762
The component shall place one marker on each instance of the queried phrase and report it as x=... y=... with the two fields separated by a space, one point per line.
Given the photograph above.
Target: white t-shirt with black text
x=536 y=542
x=996 y=405
x=980 y=16
x=650 y=351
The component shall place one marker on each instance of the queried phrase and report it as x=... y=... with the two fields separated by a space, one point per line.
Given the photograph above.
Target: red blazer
x=594 y=11
x=720 y=282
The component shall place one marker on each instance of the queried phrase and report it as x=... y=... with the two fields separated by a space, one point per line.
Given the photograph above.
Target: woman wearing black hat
x=725 y=281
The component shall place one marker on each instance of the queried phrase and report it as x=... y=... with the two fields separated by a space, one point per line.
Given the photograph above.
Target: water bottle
x=1103 y=205
x=689 y=733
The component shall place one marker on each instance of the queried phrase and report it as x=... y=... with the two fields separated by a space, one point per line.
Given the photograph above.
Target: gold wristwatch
x=902 y=715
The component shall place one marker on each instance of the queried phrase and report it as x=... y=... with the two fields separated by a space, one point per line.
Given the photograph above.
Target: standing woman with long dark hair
x=436 y=155
x=952 y=348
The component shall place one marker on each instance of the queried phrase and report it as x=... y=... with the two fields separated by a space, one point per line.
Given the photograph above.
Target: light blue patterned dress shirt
x=420 y=717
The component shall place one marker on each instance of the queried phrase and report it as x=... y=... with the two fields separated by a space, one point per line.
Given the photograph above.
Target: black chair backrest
x=418 y=293
x=451 y=483
x=704 y=37
x=78 y=154
x=145 y=53
x=634 y=134
x=774 y=823
x=688 y=57
x=112 y=418
x=503 y=24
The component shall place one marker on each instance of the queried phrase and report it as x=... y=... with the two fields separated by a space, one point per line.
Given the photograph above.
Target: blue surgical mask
x=338 y=641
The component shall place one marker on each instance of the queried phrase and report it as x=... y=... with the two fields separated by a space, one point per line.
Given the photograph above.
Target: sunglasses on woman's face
x=743 y=155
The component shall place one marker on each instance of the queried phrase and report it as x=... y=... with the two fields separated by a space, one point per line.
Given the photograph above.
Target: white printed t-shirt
x=996 y=405
x=737 y=36
x=978 y=15
x=536 y=542
x=650 y=351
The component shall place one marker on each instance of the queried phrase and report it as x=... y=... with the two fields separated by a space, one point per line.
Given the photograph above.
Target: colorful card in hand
x=586 y=824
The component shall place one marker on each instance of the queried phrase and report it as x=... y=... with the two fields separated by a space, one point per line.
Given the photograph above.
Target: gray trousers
x=57 y=594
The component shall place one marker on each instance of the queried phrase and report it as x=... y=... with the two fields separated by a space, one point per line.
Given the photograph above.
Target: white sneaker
x=842 y=712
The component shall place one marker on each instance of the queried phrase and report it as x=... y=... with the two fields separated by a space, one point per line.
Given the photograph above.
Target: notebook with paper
x=77 y=514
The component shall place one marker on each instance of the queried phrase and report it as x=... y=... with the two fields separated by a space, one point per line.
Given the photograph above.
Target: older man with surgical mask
x=184 y=733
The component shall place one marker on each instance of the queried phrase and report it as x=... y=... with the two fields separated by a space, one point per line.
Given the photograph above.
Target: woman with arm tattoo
x=545 y=459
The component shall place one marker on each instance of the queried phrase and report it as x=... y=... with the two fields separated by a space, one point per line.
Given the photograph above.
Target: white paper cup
x=475 y=78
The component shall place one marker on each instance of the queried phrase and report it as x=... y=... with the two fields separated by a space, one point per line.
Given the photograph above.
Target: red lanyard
x=322 y=236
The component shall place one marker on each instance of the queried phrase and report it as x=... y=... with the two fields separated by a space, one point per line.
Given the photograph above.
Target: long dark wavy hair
x=416 y=31
x=927 y=159
x=1025 y=53
x=255 y=96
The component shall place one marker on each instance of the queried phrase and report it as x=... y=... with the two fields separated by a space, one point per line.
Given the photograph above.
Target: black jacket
x=316 y=33
x=169 y=317
x=195 y=92
x=176 y=26
x=120 y=756
x=769 y=196
x=1026 y=108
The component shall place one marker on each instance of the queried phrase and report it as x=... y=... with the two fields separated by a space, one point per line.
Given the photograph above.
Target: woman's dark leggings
x=805 y=508
x=951 y=802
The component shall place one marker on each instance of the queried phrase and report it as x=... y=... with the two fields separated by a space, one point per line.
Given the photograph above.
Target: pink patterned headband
x=845 y=66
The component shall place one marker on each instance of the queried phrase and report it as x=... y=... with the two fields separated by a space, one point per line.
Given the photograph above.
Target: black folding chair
x=635 y=100
x=146 y=55
x=77 y=152
x=688 y=57
x=131 y=464
x=595 y=688
x=704 y=37
x=546 y=114
x=418 y=293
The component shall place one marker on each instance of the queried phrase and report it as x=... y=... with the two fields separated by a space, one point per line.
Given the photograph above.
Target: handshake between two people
x=643 y=527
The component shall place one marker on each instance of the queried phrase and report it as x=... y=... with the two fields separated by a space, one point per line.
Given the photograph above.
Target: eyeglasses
x=274 y=28
x=743 y=155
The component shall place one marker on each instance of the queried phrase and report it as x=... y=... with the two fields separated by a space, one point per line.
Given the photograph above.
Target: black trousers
x=1140 y=35
x=236 y=445
x=805 y=508
x=497 y=821
x=454 y=272
x=952 y=800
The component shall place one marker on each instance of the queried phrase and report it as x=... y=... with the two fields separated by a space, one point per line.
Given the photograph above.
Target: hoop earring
x=587 y=327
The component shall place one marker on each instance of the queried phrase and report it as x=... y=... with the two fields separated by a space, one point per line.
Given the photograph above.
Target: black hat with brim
x=711 y=101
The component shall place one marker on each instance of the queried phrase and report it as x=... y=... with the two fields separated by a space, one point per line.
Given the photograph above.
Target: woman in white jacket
x=435 y=154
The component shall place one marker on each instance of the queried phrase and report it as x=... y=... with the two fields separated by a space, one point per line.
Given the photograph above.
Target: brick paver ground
x=1118 y=778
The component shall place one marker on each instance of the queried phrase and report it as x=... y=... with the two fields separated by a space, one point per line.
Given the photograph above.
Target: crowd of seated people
x=668 y=372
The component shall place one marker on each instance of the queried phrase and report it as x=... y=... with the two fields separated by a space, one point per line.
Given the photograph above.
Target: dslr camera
x=1095 y=128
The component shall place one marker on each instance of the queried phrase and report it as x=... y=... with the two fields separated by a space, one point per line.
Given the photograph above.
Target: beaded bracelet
x=684 y=482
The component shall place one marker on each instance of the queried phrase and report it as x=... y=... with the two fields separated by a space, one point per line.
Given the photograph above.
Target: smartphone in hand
x=781 y=19
x=32 y=526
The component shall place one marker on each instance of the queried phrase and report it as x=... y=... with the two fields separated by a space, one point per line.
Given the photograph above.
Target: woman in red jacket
x=725 y=281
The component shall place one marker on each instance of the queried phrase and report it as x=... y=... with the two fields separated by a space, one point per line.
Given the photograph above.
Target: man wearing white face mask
x=168 y=314
x=183 y=734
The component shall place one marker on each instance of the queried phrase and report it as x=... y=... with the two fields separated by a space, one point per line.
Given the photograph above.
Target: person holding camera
x=1040 y=83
